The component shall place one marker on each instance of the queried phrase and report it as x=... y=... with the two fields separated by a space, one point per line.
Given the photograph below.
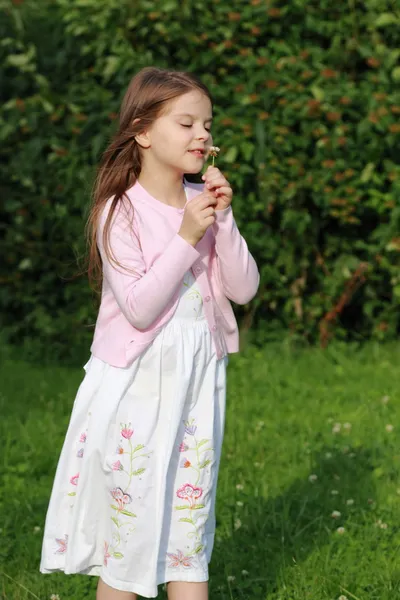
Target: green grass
x=273 y=523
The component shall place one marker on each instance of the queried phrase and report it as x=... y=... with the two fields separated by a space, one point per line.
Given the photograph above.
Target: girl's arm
x=238 y=270
x=142 y=296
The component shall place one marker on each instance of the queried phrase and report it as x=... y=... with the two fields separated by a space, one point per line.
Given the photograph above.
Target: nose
x=203 y=135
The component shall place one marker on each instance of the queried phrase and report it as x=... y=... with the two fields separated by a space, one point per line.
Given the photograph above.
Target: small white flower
x=257 y=464
x=334 y=492
x=336 y=428
x=237 y=524
x=350 y=502
x=36 y=529
x=238 y=503
x=352 y=454
x=328 y=455
x=347 y=426
x=336 y=514
x=239 y=486
x=385 y=399
x=340 y=530
x=231 y=578
x=389 y=428
x=343 y=597
x=54 y=597
x=313 y=478
x=244 y=572
x=384 y=526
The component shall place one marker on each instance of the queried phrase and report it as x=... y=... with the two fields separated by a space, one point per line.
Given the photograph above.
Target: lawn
x=309 y=493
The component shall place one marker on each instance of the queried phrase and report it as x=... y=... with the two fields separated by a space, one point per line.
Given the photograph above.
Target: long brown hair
x=146 y=97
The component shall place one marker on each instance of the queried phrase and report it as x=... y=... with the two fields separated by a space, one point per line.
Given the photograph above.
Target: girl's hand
x=198 y=216
x=216 y=183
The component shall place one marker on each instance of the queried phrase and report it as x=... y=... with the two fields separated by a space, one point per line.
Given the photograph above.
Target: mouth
x=199 y=152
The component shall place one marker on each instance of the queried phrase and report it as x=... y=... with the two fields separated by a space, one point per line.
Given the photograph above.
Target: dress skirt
x=133 y=499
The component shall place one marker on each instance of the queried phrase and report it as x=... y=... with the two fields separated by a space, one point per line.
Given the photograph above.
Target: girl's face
x=180 y=138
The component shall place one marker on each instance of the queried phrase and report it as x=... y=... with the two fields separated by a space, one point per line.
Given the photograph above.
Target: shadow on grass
x=278 y=533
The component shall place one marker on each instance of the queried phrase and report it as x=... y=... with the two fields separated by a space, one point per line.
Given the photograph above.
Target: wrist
x=188 y=239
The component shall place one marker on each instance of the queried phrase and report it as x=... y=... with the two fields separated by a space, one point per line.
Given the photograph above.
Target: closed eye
x=192 y=126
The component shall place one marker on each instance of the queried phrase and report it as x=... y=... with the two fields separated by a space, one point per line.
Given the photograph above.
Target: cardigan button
x=198 y=269
x=207 y=298
x=214 y=328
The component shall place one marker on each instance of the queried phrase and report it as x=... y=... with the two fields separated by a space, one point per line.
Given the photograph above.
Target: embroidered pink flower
x=62 y=545
x=120 y=450
x=74 y=479
x=117 y=466
x=183 y=447
x=180 y=560
x=120 y=497
x=82 y=439
x=189 y=492
x=127 y=433
x=185 y=463
x=107 y=555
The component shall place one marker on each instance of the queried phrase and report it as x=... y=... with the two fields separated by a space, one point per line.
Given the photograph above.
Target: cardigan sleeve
x=142 y=295
x=238 y=270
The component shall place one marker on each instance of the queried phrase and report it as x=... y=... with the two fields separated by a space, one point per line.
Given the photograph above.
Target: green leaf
x=138 y=472
x=127 y=513
x=181 y=507
x=72 y=494
x=185 y=520
x=115 y=520
x=317 y=92
x=197 y=506
x=18 y=60
x=202 y=442
x=118 y=555
x=139 y=447
x=199 y=548
x=386 y=19
x=396 y=74
x=111 y=67
x=367 y=172
x=231 y=154
x=204 y=464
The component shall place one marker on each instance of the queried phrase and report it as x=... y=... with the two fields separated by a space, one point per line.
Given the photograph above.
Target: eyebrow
x=192 y=116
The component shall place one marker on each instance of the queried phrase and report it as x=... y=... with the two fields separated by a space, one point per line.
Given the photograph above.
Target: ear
x=142 y=138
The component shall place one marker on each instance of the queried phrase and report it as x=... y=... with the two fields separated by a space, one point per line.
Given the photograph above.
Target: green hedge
x=307 y=118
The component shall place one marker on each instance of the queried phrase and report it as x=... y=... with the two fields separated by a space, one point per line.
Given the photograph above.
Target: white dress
x=134 y=493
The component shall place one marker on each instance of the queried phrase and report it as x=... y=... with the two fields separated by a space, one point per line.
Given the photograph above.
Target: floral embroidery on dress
x=179 y=560
x=123 y=517
x=191 y=493
x=193 y=293
x=62 y=545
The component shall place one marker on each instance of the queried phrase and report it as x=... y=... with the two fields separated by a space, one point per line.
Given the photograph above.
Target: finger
x=208 y=212
x=217 y=182
x=208 y=200
x=224 y=191
x=209 y=172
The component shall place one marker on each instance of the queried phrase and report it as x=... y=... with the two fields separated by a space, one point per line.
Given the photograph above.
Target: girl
x=134 y=494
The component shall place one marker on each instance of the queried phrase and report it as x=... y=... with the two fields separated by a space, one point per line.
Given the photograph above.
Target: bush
x=307 y=117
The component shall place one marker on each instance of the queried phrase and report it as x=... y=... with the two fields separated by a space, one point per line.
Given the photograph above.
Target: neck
x=167 y=187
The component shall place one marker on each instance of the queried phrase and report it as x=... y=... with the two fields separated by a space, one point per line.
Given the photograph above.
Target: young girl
x=134 y=494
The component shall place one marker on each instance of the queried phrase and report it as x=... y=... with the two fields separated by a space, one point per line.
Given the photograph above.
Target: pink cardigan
x=140 y=299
